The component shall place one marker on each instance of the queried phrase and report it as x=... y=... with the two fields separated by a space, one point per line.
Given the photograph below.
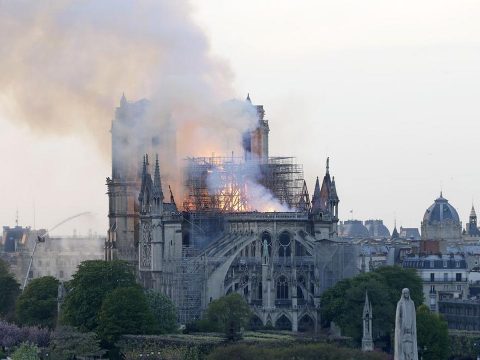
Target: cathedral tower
x=255 y=142
x=136 y=130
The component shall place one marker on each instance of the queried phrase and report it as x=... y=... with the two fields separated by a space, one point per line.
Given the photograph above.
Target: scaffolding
x=188 y=281
x=220 y=184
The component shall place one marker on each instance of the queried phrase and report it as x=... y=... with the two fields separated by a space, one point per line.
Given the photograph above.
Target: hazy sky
x=389 y=90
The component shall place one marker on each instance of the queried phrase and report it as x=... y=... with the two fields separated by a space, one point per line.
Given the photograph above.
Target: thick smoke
x=65 y=64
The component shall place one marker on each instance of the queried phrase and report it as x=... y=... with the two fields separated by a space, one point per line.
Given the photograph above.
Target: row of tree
x=102 y=299
x=343 y=304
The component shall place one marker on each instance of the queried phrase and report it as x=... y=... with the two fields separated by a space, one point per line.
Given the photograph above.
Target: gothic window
x=282 y=288
x=306 y=324
x=266 y=236
x=260 y=291
x=284 y=244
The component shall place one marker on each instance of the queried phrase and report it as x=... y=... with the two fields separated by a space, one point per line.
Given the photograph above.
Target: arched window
x=260 y=291
x=283 y=323
x=266 y=236
x=284 y=244
x=282 y=288
x=306 y=324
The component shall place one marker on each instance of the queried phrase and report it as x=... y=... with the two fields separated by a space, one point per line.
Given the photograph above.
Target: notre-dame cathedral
x=244 y=225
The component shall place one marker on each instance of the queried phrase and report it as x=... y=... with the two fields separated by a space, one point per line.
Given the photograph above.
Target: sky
x=388 y=90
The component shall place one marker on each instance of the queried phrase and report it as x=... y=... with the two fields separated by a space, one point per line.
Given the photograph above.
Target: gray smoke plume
x=64 y=65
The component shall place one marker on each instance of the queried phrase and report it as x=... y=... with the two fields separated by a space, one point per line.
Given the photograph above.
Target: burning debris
x=219 y=184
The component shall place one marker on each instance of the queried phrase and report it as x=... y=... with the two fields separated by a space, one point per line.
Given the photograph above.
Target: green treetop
x=89 y=287
x=10 y=289
x=37 y=305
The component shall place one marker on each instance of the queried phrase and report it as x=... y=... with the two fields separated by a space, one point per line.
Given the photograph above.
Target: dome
x=441 y=211
x=354 y=229
x=377 y=229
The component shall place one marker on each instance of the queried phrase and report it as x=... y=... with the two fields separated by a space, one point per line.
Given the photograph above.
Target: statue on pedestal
x=406 y=329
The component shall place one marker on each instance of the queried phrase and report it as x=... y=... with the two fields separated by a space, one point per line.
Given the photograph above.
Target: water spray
x=41 y=239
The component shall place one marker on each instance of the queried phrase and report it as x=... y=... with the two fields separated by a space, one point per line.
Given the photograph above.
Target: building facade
x=280 y=259
x=444 y=277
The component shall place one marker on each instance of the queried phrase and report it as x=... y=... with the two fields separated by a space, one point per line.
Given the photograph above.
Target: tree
x=37 y=305
x=163 y=311
x=10 y=289
x=343 y=303
x=398 y=278
x=432 y=335
x=125 y=311
x=228 y=314
x=89 y=287
x=68 y=343
x=26 y=351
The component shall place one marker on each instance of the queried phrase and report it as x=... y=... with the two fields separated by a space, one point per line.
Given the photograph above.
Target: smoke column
x=65 y=64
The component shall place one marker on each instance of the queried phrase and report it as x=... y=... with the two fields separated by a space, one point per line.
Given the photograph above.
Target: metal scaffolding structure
x=220 y=184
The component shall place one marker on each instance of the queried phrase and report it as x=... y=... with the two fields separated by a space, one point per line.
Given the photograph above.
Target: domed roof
x=441 y=211
x=377 y=229
x=354 y=229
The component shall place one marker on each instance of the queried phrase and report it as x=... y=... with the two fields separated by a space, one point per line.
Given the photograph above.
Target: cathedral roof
x=441 y=211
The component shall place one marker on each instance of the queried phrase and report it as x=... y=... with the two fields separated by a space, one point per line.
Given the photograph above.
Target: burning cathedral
x=244 y=225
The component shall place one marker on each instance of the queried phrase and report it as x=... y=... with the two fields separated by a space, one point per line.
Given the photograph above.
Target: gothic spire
x=145 y=190
x=395 y=234
x=316 y=205
x=157 y=184
x=333 y=193
x=472 y=212
x=123 y=100
x=172 y=199
x=248 y=98
x=328 y=165
x=367 y=341
x=367 y=307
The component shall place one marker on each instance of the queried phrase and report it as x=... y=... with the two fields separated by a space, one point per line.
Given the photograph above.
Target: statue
x=265 y=252
x=406 y=329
